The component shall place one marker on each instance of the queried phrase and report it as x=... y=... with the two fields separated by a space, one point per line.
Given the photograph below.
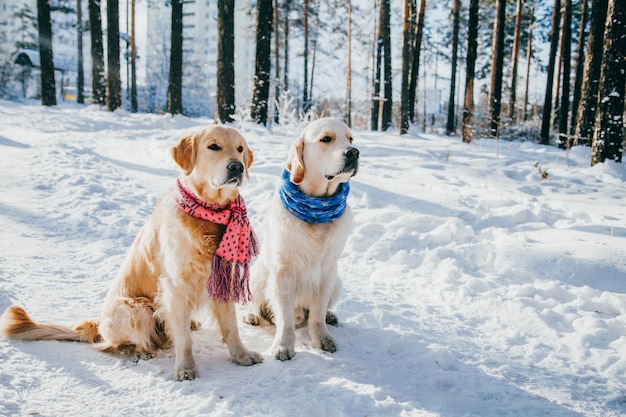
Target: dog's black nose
x=234 y=168
x=351 y=153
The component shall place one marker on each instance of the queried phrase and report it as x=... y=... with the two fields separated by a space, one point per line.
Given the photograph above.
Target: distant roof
x=30 y=57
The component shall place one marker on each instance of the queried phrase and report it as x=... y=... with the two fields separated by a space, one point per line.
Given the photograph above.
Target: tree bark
x=580 y=63
x=608 y=137
x=565 y=83
x=348 y=117
x=305 y=89
x=80 y=75
x=175 y=82
x=225 y=61
x=451 y=125
x=114 y=84
x=544 y=138
x=406 y=66
x=46 y=61
x=133 y=62
x=265 y=12
x=388 y=103
x=472 y=48
x=586 y=116
x=415 y=65
x=276 y=62
x=98 y=83
x=529 y=49
x=515 y=58
x=497 y=67
x=286 y=57
x=378 y=72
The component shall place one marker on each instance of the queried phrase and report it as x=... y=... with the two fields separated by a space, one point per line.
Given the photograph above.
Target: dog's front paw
x=186 y=374
x=331 y=319
x=247 y=358
x=283 y=353
x=325 y=343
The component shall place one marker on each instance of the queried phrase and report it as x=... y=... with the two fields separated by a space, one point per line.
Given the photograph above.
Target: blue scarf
x=313 y=209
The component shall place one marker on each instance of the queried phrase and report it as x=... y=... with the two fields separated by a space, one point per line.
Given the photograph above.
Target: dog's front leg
x=283 y=306
x=178 y=318
x=226 y=318
x=320 y=338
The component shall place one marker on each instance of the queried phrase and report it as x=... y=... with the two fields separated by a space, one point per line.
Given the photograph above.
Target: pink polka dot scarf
x=231 y=262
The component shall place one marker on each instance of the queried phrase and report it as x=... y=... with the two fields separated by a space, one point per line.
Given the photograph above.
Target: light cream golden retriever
x=306 y=226
x=162 y=282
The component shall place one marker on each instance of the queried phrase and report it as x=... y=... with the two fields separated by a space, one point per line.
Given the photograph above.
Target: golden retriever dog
x=170 y=268
x=295 y=280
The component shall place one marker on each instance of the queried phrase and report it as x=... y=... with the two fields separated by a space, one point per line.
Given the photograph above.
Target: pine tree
x=225 y=61
x=80 y=76
x=580 y=63
x=175 y=83
x=376 y=80
x=516 y=47
x=544 y=138
x=415 y=65
x=608 y=136
x=567 y=42
x=114 y=84
x=406 y=66
x=48 y=86
x=585 y=119
x=472 y=47
x=495 y=92
x=456 y=11
x=98 y=82
x=529 y=54
x=388 y=103
x=260 y=98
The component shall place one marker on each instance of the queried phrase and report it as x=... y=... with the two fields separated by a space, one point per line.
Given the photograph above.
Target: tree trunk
x=265 y=13
x=377 y=76
x=415 y=65
x=98 y=84
x=80 y=76
x=559 y=66
x=286 y=57
x=544 y=138
x=388 y=103
x=225 y=60
x=580 y=63
x=175 y=82
x=305 y=89
x=406 y=66
x=348 y=117
x=48 y=85
x=451 y=125
x=472 y=48
x=133 y=61
x=585 y=118
x=608 y=135
x=114 y=84
x=276 y=62
x=497 y=67
x=516 y=47
x=529 y=49
x=567 y=52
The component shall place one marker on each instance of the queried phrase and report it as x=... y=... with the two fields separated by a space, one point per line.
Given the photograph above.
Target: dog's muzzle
x=351 y=158
x=235 y=170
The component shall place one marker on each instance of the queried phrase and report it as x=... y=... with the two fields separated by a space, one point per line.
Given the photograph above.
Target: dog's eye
x=214 y=147
x=326 y=139
x=240 y=149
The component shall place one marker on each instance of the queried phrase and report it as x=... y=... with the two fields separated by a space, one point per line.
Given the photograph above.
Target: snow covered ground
x=472 y=286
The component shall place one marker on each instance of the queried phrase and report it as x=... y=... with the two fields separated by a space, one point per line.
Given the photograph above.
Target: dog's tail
x=16 y=324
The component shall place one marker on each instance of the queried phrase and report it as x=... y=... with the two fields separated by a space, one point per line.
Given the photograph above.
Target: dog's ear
x=295 y=163
x=248 y=159
x=184 y=153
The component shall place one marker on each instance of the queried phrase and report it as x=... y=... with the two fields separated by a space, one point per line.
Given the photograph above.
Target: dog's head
x=214 y=162
x=323 y=157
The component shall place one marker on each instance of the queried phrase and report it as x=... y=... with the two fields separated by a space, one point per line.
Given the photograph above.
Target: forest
x=382 y=53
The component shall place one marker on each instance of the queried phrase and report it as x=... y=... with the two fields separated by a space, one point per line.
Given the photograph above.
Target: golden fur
x=163 y=278
x=295 y=279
